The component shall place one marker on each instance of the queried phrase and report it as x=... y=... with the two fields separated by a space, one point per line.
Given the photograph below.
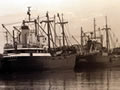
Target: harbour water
x=102 y=79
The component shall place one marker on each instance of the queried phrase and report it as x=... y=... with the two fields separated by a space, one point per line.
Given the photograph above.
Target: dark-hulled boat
x=94 y=54
x=27 y=52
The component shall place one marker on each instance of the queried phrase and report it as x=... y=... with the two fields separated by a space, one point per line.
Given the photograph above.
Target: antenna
x=28 y=12
x=106 y=20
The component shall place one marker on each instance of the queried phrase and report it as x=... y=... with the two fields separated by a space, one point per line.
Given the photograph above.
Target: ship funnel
x=24 y=34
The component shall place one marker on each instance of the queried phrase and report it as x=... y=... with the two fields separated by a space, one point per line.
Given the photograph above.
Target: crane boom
x=7 y=30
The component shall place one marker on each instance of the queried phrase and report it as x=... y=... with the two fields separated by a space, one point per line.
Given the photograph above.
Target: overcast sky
x=77 y=12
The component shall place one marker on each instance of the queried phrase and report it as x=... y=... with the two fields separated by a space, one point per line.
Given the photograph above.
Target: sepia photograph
x=59 y=44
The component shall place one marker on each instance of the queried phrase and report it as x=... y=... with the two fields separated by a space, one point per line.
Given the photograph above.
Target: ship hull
x=31 y=63
x=99 y=61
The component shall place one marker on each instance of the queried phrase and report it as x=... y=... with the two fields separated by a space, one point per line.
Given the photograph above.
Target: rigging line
x=68 y=29
x=51 y=17
x=7 y=24
x=68 y=32
x=116 y=41
x=59 y=27
x=46 y=34
x=17 y=26
x=58 y=39
x=112 y=42
x=40 y=17
x=51 y=35
x=75 y=40
x=69 y=42
x=66 y=37
x=40 y=33
x=66 y=40
x=114 y=35
x=103 y=36
x=56 y=36
x=43 y=28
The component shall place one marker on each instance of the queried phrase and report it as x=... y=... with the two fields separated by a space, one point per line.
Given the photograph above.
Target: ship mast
x=48 y=21
x=48 y=30
x=81 y=37
x=94 y=28
x=55 y=35
x=107 y=34
x=62 y=23
x=107 y=37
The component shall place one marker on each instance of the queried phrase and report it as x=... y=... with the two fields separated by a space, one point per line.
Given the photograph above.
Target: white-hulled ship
x=93 y=53
x=27 y=52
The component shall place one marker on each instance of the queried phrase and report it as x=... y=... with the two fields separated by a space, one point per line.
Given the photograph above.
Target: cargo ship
x=93 y=53
x=33 y=47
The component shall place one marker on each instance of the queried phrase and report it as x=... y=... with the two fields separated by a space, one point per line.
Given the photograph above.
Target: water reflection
x=107 y=79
